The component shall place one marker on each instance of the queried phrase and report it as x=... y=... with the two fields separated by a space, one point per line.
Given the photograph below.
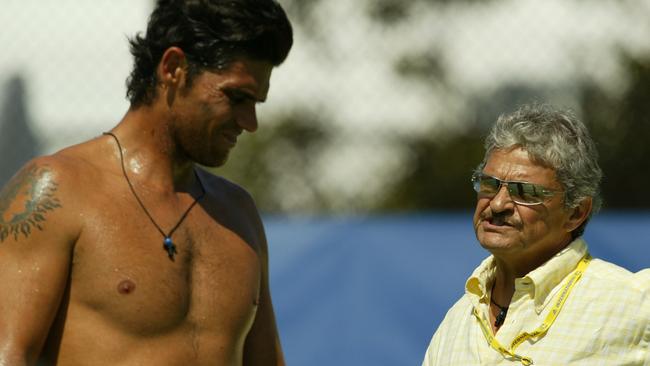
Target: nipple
x=126 y=287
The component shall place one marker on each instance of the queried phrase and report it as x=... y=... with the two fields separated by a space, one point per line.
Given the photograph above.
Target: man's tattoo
x=26 y=200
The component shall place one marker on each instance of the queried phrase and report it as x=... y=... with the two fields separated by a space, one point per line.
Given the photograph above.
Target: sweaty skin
x=85 y=278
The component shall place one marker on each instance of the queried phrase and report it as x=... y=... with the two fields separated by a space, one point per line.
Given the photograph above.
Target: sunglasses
x=522 y=193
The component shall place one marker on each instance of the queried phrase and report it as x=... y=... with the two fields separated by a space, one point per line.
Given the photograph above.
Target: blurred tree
x=440 y=165
x=17 y=141
x=439 y=174
x=390 y=12
x=621 y=127
x=279 y=164
x=274 y=163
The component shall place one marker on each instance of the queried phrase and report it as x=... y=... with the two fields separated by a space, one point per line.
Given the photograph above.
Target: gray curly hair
x=557 y=139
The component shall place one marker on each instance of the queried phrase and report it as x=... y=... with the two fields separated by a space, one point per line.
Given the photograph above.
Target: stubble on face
x=221 y=106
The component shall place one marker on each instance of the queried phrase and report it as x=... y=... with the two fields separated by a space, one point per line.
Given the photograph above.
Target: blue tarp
x=372 y=290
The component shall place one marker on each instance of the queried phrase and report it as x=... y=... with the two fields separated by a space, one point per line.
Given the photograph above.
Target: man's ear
x=171 y=73
x=172 y=67
x=578 y=215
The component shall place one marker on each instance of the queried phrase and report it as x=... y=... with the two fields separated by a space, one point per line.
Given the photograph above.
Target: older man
x=540 y=298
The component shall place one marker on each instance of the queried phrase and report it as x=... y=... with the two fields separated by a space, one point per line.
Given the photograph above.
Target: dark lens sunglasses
x=522 y=193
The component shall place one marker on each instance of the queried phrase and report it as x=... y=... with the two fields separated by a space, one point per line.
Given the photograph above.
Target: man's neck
x=504 y=283
x=151 y=156
x=510 y=268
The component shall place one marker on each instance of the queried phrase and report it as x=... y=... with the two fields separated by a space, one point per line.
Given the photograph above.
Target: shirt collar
x=543 y=279
x=478 y=283
x=547 y=276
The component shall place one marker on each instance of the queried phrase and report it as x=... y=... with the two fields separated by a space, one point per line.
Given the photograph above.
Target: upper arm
x=263 y=342
x=262 y=345
x=36 y=239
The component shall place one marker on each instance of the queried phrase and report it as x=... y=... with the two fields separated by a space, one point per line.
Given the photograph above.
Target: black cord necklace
x=501 y=317
x=168 y=244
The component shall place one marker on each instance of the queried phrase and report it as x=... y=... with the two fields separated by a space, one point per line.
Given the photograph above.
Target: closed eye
x=239 y=97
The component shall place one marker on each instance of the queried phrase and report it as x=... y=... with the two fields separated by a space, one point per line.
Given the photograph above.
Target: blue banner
x=372 y=290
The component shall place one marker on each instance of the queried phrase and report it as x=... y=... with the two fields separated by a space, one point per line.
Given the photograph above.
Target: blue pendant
x=169 y=246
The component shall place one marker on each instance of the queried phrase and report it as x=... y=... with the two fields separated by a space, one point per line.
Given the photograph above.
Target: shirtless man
x=120 y=251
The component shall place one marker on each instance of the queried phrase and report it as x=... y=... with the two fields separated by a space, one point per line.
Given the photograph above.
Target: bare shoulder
x=233 y=207
x=227 y=191
x=35 y=199
x=44 y=196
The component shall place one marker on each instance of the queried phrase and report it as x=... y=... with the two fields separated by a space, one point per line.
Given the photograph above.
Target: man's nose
x=502 y=200
x=247 y=119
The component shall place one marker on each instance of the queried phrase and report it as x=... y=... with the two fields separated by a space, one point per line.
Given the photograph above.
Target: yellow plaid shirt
x=605 y=320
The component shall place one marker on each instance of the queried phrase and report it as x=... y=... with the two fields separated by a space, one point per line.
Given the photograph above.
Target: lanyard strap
x=543 y=328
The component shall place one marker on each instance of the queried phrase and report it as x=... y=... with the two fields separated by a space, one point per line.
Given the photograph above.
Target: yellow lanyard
x=539 y=332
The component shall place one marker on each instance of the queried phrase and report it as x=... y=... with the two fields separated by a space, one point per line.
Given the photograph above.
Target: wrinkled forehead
x=517 y=164
x=535 y=156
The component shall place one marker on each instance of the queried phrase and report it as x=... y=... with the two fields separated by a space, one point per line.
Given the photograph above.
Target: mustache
x=501 y=218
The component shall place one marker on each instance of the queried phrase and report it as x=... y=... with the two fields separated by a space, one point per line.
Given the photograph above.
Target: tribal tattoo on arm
x=26 y=200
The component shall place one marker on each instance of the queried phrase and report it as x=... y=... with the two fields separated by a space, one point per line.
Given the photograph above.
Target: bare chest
x=123 y=274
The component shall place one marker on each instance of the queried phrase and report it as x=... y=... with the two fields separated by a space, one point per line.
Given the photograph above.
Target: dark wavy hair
x=211 y=33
